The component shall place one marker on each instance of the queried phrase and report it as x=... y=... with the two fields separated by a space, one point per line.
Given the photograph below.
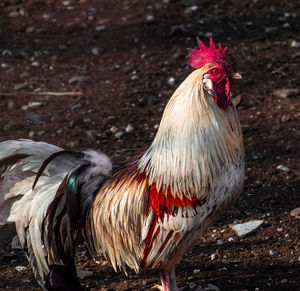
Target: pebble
x=171 y=81
x=46 y=16
x=129 y=128
x=220 y=242
x=284 y=118
x=270 y=29
x=295 y=212
x=113 y=129
x=20 y=268
x=150 y=18
x=273 y=252
x=283 y=281
x=13 y=14
x=119 y=134
x=196 y=271
x=283 y=168
x=246 y=228
x=4 y=66
x=21 y=86
x=30 y=29
x=95 y=51
x=7 y=53
x=213 y=256
x=35 y=64
x=100 y=27
x=77 y=79
x=295 y=44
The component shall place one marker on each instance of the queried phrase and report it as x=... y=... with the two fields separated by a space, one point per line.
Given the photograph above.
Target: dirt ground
x=97 y=74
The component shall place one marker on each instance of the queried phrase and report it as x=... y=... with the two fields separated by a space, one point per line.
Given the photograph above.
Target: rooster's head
x=217 y=81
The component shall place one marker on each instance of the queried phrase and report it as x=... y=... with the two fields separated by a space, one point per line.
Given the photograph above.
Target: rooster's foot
x=168 y=280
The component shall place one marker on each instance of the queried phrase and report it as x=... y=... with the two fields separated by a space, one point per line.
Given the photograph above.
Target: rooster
x=149 y=212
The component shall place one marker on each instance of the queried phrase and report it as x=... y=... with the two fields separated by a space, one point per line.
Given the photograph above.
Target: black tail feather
x=67 y=217
x=51 y=158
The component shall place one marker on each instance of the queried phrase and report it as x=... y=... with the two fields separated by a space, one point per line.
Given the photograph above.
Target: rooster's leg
x=168 y=280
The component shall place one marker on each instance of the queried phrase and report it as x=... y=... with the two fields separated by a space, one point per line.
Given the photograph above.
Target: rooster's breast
x=170 y=235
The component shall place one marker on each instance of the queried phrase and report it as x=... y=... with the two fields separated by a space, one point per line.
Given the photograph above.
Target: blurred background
x=97 y=74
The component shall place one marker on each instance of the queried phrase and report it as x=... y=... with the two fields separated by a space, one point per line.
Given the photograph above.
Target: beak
x=237 y=76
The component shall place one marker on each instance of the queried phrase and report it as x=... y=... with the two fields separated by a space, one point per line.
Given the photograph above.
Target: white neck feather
x=196 y=139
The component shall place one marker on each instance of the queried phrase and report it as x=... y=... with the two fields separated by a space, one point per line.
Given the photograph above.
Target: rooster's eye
x=215 y=72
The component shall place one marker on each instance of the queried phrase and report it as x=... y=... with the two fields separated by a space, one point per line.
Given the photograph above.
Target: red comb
x=211 y=54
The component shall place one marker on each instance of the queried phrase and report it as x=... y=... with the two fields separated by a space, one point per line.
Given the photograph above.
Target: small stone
x=286 y=25
x=283 y=168
x=113 y=129
x=295 y=212
x=284 y=281
x=119 y=134
x=246 y=228
x=13 y=14
x=196 y=271
x=20 y=268
x=35 y=64
x=77 y=79
x=284 y=118
x=213 y=256
x=171 y=81
x=129 y=128
x=150 y=18
x=21 y=86
x=279 y=229
x=84 y=273
x=4 y=66
x=273 y=252
x=46 y=16
x=100 y=27
x=270 y=29
x=220 y=242
x=7 y=53
x=95 y=51
x=30 y=29
x=231 y=239
x=295 y=44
